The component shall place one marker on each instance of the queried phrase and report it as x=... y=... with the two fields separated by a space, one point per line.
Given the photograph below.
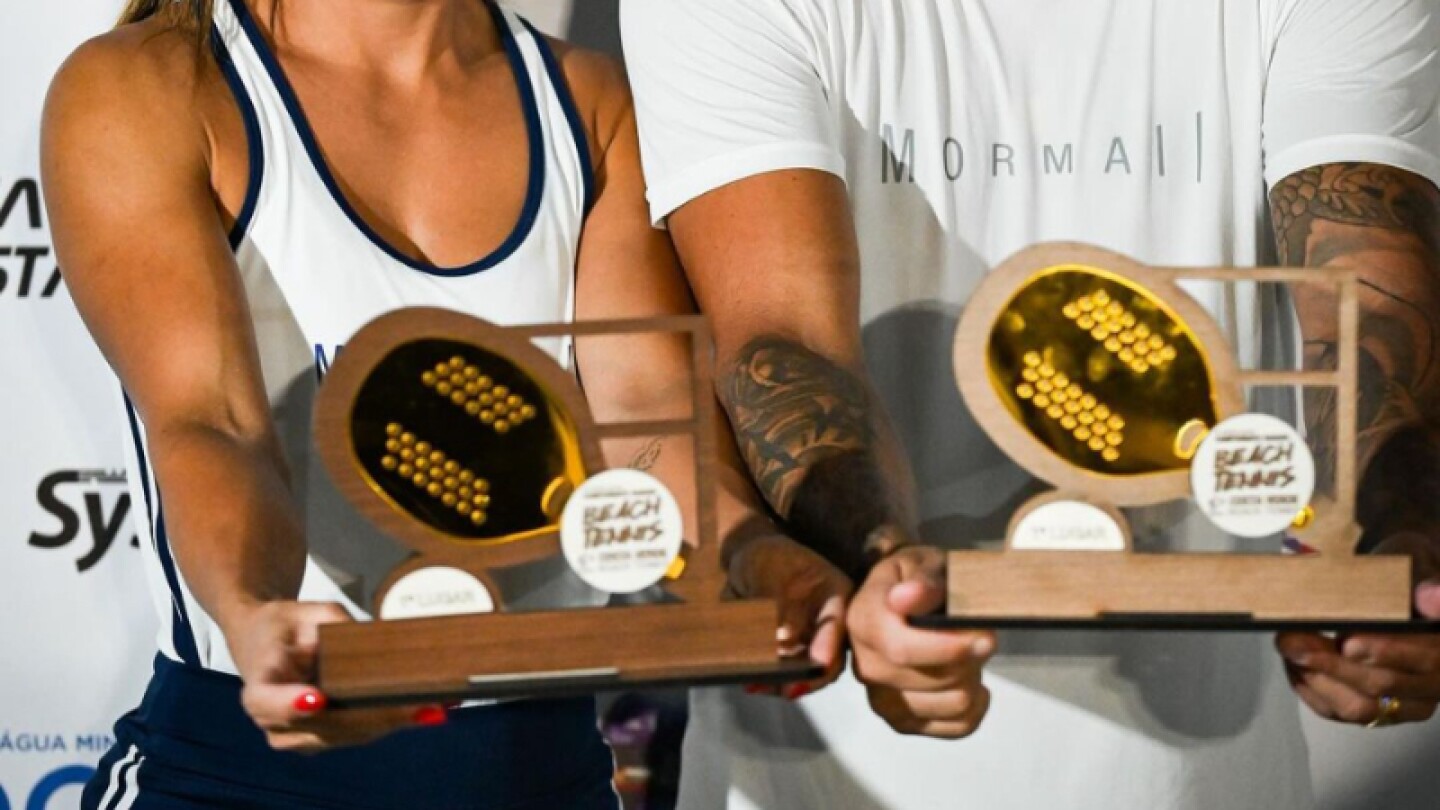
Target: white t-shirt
x=965 y=131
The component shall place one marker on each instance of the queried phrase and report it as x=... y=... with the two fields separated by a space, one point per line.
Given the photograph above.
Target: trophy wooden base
x=1127 y=591
x=1173 y=622
x=553 y=653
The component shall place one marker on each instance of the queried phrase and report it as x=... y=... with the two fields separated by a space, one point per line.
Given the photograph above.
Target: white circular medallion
x=1068 y=526
x=1252 y=475
x=436 y=591
x=621 y=531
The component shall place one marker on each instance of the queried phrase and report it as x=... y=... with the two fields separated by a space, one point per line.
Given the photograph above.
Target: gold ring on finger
x=1389 y=710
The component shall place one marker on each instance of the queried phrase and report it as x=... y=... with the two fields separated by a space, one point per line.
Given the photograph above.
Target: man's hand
x=920 y=681
x=813 y=596
x=274 y=645
x=1347 y=679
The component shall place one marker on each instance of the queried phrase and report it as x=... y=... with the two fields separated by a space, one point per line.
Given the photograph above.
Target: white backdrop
x=76 y=626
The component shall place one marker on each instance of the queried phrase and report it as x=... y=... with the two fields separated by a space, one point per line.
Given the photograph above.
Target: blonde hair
x=183 y=12
x=189 y=15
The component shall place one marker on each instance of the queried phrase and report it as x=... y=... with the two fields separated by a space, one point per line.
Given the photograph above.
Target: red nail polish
x=754 y=689
x=431 y=716
x=797 y=691
x=311 y=702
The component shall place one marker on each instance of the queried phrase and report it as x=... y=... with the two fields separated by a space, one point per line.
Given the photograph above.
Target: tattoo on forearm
x=791 y=408
x=1385 y=222
x=645 y=459
x=1387 y=403
x=804 y=426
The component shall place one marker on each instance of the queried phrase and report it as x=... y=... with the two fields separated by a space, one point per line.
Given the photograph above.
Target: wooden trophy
x=466 y=442
x=1103 y=378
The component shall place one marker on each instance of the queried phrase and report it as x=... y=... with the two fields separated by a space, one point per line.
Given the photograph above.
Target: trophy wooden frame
x=1330 y=589
x=696 y=638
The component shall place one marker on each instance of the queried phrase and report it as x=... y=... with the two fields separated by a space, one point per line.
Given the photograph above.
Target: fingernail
x=982 y=647
x=1293 y=653
x=311 y=702
x=783 y=633
x=754 y=689
x=1288 y=649
x=1356 y=650
x=431 y=716
x=797 y=691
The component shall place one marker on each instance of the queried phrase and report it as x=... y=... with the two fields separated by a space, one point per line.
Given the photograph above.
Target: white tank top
x=314 y=272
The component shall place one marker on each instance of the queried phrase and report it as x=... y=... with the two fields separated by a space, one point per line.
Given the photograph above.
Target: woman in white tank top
x=236 y=186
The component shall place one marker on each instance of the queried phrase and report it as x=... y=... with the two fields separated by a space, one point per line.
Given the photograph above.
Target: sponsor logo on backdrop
x=39 y=796
x=16 y=743
x=19 y=741
x=91 y=507
x=27 y=264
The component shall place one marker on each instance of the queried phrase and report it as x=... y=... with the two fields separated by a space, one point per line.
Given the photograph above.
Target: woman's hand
x=274 y=645
x=812 y=594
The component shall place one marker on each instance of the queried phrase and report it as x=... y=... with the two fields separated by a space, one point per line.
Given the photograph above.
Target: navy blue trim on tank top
x=144 y=467
x=180 y=634
x=572 y=114
x=533 y=194
x=255 y=144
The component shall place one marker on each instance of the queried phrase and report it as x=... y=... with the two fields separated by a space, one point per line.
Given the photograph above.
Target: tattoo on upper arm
x=645 y=459
x=1386 y=223
x=792 y=408
x=1364 y=195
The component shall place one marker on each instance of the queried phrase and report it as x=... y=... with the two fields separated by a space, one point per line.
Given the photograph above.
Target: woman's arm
x=127 y=160
x=627 y=269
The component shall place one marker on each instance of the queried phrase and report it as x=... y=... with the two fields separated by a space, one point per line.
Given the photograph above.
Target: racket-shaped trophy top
x=1096 y=374
x=455 y=436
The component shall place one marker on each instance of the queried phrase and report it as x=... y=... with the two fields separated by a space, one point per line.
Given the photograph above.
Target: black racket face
x=1102 y=373
x=465 y=441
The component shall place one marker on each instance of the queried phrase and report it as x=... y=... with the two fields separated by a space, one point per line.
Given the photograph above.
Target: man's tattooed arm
x=1385 y=223
x=820 y=450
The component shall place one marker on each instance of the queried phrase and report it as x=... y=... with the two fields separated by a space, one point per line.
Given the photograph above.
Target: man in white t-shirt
x=827 y=162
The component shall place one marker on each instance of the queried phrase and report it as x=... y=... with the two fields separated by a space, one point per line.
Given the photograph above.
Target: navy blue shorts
x=190 y=745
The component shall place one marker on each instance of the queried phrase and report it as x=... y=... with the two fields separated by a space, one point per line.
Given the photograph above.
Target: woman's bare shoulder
x=149 y=74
